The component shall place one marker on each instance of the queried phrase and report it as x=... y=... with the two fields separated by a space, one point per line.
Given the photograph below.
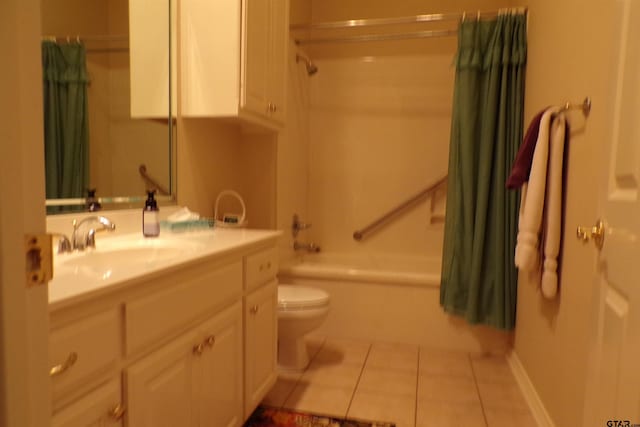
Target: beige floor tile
x=319 y=399
x=373 y=406
x=340 y=351
x=460 y=390
x=501 y=396
x=279 y=392
x=509 y=418
x=393 y=356
x=387 y=381
x=443 y=362
x=343 y=375
x=439 y=414
x=492 y=369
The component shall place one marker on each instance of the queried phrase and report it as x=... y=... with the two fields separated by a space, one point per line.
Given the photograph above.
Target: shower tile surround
x=409 y=385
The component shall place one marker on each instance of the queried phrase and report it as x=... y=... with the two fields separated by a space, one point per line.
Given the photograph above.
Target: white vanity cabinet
x=261 y=326
x=233 y=56
x=195 y=346
x=195 y=380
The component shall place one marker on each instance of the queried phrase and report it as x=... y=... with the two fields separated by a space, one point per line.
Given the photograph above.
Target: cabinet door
x=218 y=370
x=96 y=409
x=260 y=344
x=256 y=16
x=159 y=387
x=276 y=87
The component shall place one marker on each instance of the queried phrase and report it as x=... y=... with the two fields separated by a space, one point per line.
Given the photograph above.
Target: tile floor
x=409 y=385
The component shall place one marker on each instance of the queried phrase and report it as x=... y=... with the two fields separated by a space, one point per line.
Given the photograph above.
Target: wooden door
x=613 y=396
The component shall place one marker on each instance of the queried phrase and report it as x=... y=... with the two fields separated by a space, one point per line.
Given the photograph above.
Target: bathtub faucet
x=309 y=247
x=297 y=225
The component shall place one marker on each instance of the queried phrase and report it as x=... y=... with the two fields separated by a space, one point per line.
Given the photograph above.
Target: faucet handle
x=90 y=240
x=64 y=244
x=296 y=225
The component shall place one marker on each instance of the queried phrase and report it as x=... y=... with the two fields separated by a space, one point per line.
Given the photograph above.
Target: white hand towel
x=531 y=206
x=553 y=208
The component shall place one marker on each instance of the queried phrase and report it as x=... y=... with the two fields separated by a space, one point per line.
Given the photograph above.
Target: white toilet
x=301 y=309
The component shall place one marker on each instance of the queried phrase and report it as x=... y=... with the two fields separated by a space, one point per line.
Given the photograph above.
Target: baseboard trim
x=529 y=392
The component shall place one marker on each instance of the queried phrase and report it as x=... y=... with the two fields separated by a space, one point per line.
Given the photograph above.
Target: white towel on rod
x=542 y=196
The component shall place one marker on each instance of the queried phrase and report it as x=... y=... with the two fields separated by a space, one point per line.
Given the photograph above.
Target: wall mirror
x=109 y=101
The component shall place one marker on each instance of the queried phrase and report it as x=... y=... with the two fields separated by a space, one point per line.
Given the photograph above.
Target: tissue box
x=187 y=225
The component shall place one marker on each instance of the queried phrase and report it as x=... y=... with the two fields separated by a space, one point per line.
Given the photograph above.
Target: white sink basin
x=123 y=254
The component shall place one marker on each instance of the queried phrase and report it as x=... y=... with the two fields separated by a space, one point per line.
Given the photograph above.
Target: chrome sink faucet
x=80 y=241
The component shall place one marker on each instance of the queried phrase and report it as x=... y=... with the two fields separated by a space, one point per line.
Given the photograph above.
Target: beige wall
x=379 y=135
x=569 y=58
x=209 y=155
x=292 y=157
x=380 y=115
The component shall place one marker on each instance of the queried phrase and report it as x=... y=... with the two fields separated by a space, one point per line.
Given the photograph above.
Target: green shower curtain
x=66 y=122
x=479 y=279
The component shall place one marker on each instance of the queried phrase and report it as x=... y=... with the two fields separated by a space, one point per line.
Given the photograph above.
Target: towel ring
x=585 y=106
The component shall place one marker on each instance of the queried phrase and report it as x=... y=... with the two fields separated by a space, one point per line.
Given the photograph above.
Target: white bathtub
x=387 y=269
x=388 y=298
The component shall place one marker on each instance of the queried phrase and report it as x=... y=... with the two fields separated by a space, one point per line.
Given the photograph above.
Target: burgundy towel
x=522 y=164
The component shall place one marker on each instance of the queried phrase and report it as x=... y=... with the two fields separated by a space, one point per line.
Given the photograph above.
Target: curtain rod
x=380 y=37
x=414 y=19
x=79 y=38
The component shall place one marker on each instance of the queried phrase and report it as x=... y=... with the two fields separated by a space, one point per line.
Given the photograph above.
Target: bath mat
x=265 y=416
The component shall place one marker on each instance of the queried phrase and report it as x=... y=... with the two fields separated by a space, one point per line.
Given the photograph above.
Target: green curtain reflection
x=66 y=121
x=479 y=279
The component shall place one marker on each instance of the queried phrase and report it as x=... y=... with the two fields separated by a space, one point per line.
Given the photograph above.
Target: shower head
x=310 y=66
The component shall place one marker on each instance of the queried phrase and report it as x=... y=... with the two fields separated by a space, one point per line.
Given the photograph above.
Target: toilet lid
x=297 y=297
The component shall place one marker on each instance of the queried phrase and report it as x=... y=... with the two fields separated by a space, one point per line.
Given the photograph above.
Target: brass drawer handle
x=198 y=349
x=210 y=340
x=254 y=309
x=117 y=412
x=65 y=366
x=266 y=266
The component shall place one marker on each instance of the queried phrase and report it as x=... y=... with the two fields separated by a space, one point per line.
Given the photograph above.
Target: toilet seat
x=292 y=297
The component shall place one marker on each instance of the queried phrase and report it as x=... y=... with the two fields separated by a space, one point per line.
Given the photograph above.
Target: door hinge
x=39 y=258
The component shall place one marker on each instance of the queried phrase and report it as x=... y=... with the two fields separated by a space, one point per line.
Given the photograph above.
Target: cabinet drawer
x=95 y=342
x=260 y=267
x=99 y=407
x=153 y=317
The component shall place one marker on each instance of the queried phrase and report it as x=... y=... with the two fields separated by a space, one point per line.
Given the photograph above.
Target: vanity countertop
x=124 y=260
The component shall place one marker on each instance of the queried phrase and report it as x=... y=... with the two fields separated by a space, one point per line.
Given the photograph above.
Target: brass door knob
x=595 y=233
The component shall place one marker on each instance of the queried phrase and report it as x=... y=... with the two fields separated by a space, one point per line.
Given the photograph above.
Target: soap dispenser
x=150 y=220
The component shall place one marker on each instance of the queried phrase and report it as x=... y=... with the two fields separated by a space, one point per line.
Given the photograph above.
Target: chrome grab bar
x=360 y=234
x=151 y=182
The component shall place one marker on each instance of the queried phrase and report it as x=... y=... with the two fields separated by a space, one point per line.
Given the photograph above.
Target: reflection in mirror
x=107 y=96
